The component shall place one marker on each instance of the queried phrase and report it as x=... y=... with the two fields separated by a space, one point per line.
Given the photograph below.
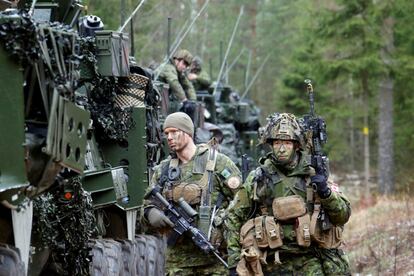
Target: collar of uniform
x=201 y=148
x=302 y=168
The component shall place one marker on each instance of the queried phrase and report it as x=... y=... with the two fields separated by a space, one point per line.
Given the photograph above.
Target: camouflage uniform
x=278 y=252
x=202 y=82
x=180 y=86
x=184 y=258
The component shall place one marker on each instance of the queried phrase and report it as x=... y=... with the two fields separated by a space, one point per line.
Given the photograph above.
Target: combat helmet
x=282 y=126
x=184 y=55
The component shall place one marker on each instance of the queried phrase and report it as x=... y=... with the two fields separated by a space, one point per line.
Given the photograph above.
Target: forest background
x=359 y=55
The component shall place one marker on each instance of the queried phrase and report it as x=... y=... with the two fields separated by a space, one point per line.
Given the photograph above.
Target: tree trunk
x=385 y=120
x=365 y=102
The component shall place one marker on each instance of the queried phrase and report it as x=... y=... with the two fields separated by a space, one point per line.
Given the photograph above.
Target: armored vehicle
x=79 y=129
x=237 y=119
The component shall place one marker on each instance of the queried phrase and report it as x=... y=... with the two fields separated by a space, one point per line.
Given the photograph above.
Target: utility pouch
x=252 y=257
x=244 y=231
x=191 y=193
x=242 y=268
x=288 y=207
x=303 y=236
x=329 y=238
x=273 y=233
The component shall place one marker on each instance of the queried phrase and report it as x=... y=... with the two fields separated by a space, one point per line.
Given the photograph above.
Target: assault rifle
x=317 y=126
x=183 y=219
x=319 y=161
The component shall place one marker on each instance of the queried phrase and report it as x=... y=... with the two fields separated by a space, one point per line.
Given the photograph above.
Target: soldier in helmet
x=192 y=164
x=198 y=77
x=287 y=219
x=172 y=73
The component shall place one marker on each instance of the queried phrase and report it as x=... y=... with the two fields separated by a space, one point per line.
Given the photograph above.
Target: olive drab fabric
x=184 y=257
x=180 y=86
x=202 y=82
x=180 y=120
x=286 y=234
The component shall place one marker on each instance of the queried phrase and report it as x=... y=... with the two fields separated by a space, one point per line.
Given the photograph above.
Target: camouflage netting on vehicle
x=131 y=91
x=114 y=121
x=19 y=38
x=59 y=220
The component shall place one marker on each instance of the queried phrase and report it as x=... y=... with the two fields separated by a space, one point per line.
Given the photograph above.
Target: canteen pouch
x=303 y=236
x=191 y=193
x=249 y=263
x=288 y=207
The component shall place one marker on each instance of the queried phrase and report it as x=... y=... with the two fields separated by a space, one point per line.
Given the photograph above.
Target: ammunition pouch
x=191 y=192
x=303 y=236
x=329 y=238
x=257 y=234
x=288 y=207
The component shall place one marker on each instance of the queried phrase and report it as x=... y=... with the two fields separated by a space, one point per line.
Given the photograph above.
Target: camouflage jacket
x=202 y=82
x=180 y=85
x=184 y=253
x=259 y=190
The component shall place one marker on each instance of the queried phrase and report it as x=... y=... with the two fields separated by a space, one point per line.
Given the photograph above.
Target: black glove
x=322 y=188
x=157 y=219
x=233 y=272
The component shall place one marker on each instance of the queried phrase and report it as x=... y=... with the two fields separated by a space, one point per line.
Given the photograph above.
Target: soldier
x=172 y=73
x=198 y=77
x=287 y=220
x=188 y=174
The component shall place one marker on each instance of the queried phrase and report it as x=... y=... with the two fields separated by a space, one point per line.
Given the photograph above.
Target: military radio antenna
x=130 y=17
x=32 y=7
x=176 y=45
x=228 y=50
x=234 y=61
x=246 y=77
x=255 y=77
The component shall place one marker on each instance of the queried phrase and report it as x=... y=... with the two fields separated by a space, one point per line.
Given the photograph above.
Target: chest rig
x=194 y=183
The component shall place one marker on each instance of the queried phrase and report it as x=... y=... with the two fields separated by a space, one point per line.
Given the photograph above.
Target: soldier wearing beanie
x=191 y=183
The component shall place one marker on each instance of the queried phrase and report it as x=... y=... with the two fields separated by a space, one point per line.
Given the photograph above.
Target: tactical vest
x=193 y=186
x=289 y=212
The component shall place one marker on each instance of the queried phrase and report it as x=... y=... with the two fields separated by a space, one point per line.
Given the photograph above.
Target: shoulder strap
x=164 y=174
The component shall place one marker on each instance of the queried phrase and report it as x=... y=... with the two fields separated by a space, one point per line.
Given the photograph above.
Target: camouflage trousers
x=322 y=262
x=215 y=269
x=186 y=259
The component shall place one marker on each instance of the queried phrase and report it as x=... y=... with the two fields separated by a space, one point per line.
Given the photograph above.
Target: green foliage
x=336 y=43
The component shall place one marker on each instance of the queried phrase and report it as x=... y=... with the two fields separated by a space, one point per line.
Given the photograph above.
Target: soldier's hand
x=322 y=188
x=192 y=76
x=157 y=219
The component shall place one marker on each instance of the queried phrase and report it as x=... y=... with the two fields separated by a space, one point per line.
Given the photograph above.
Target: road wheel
x=106 y=258
x=10 y=261
x=150 y=255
